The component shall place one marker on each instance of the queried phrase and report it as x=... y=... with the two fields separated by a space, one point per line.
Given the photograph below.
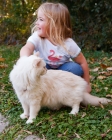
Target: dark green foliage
x=16 y=18
x=91 y=21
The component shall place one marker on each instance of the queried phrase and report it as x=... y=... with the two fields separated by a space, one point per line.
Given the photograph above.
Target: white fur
x=37 y=87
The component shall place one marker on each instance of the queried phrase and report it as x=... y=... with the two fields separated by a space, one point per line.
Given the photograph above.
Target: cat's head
x=28 y=68
x=36 y=65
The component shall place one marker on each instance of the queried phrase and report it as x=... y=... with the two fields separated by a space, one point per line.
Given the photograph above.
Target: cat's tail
x=89 y=99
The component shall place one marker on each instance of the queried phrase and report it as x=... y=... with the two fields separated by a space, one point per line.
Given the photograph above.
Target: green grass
x=91 y=122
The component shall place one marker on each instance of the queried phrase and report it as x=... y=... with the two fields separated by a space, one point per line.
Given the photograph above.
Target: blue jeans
x=70 y=67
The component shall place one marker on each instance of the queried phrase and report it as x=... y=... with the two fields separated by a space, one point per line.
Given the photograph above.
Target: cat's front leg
x=25 y=114
x=34 y=109
x=75 y=109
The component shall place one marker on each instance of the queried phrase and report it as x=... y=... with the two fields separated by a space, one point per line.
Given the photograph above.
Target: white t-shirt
x=54 y=55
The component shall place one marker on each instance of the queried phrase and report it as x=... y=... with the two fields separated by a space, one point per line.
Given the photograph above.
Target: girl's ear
x=36 y=62
x=36 y=54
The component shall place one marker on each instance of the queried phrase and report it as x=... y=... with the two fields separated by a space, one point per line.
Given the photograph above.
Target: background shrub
x=91 y=21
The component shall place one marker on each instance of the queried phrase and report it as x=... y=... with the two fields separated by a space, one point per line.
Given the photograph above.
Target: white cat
x=36 y=87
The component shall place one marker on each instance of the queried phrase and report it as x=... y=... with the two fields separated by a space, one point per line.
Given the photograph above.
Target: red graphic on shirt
x=52 y=57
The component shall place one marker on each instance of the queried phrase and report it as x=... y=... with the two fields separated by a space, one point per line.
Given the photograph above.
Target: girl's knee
x=77 y=69
x=72 y=67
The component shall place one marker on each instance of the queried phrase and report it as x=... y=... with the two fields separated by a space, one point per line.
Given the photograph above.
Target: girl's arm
x=80 y=59
x=27 y=50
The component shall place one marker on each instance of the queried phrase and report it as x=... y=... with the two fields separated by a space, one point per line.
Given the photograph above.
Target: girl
x=52 y=37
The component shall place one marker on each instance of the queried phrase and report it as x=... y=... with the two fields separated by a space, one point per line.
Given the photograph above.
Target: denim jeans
x=70 y=67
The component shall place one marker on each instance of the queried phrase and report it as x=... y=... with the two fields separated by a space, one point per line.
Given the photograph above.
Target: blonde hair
x=59 y=23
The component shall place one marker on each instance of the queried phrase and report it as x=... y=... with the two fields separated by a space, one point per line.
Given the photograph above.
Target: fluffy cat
x=36 y=87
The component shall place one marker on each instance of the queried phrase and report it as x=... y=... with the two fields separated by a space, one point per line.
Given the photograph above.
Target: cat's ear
x=36 y=54
x=36 y=62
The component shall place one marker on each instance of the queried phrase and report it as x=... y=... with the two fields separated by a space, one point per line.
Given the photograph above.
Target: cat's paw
x=74 y=112
x=29 y=121
x=23 y=116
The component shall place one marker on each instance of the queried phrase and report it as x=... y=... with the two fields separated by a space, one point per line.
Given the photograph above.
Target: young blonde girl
x=52 y=37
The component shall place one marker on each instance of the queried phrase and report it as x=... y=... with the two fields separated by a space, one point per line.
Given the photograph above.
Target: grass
x=92 y=123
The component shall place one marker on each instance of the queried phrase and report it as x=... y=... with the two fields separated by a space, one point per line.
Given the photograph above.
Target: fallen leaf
x=92 y=77
x=43 y=137
x=28 y=132
x=65 y=132
x=110 y=58
x=97 y=90
x=105 y=58
x=59 y=135
x=108 y=131
x=102 y=72
x=2 y=59
x=109 y=95
x=109 y=68
x=106 y=73
x=83 y=115
x=109 y=73
x=104 y=134
x=39 y=123
x=96 y=69
x=101 y=105
x=110 y=111
x=101 y=77
x=106 y=88
x=3 y=66
x=103 y=66
x=77 y=135
x=92 y=59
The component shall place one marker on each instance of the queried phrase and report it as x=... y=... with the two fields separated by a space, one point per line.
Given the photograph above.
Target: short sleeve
x=73 y=48
x=35 y=40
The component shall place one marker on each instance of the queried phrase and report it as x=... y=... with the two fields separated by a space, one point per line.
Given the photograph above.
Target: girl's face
x=41 y=24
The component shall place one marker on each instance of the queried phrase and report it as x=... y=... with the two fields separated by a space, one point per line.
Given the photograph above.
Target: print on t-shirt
x=52 y=56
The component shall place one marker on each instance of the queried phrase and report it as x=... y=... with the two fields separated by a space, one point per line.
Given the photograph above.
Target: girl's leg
x=72 y=67
x=48 y=67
